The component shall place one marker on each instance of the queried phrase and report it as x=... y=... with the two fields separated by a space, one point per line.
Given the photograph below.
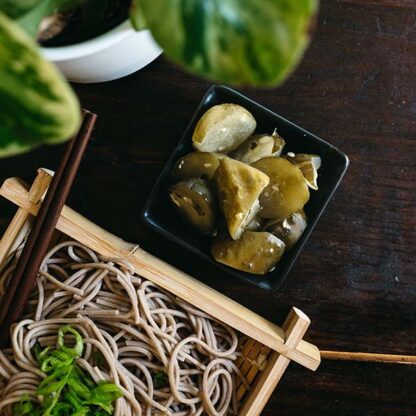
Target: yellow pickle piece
x=256 y=147
x=290 y=229
x=254 y=252
x=259 y=146
x=287 y=191
x=308 y=165
x=238 y=188
x=278 y=146
x=256 y=224
x=223 y=128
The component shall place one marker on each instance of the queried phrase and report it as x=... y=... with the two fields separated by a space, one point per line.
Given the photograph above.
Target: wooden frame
x=269 y=348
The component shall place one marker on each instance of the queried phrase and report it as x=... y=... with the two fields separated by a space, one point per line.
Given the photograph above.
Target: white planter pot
x=113 y=55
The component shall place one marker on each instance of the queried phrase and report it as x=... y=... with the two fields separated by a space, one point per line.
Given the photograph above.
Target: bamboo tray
x=268 y=349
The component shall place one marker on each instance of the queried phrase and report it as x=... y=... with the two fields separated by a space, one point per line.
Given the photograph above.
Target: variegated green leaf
x=254 y=42
x=37 y=105
x=30 y=21
x=15 y=8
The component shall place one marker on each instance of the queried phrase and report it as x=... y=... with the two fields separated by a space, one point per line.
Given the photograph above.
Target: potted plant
x=251 y=42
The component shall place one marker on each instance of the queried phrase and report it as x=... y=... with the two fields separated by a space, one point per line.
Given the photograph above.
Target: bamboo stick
x=368 y=357
x=39 y=187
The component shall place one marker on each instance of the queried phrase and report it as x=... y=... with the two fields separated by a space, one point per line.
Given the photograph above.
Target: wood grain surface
x=356 y=277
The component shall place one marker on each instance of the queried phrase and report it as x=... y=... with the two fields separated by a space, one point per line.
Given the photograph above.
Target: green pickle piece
x=238 y=188
x=197 y=165
x=287 y=191
x=290 y=229
x=195 y=203
x=255 y=252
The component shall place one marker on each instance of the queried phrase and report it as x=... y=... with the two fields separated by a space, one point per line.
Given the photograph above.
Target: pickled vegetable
x=197 y=165
x=254 y=148
x=254 y=252
x=290 y=229
x=195 y=203
x=238 y=188
x=260 y=192
x=287 y=191
x=223 y=128
x=308 y=165
x=259 y=146
x=256 y=224
x=278 y=146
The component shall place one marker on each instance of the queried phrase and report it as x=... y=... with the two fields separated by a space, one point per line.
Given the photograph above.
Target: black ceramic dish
x=159 y=214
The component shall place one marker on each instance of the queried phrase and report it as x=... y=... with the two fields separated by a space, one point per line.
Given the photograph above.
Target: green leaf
x=104 y=394
x=72 y=398
x=26 y=407
x=257 y=42
x=62 y=409
x=136 y=16
x=78 y=389
x=57 y=359
x=50 y=386
x=37 y=105
x=15 y=8
x=31 y=20
x=83 y=411
x=88 y=381
x=79 y=345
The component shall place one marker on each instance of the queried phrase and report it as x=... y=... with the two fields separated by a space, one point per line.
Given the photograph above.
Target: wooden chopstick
x=368 y=357
x=21 y=284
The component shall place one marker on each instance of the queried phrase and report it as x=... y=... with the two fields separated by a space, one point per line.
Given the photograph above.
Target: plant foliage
x=251 y=42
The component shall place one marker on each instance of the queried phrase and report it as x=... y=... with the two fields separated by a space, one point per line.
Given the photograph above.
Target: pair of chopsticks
x=23 y=279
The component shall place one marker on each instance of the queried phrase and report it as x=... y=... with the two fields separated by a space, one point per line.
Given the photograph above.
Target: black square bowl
x=158 y=212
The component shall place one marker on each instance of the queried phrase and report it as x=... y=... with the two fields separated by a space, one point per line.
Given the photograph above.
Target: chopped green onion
x=67 y=390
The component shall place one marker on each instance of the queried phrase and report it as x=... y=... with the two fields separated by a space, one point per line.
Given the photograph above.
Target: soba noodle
x=139 y=329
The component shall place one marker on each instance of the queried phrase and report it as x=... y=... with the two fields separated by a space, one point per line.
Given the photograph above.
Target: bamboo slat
x=14 y=232
x=368 y=357
x=295 y=327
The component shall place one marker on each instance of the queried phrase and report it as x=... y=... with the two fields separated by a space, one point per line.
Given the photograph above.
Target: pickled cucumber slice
x=223 y=128
x=197 y=165
x=195 y=203
x=238 y=188
x=287 y=191
x=256 y=147
x=278 y=146
x=256 y=224
x=290 y=229
x=254 y=252
x=308 y=165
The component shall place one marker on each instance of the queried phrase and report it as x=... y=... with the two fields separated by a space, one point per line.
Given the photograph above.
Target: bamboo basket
x=268 y=348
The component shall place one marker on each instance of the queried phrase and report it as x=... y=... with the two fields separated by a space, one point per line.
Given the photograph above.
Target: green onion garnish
x=67 y=390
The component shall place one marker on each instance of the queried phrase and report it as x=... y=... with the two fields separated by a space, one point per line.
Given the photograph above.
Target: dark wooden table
x=356 y=277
